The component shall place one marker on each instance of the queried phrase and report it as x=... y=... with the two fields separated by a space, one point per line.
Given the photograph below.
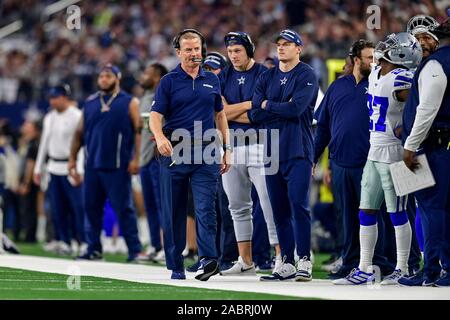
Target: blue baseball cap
x=60 y=90
x=290 y=35
x=215 y=61
x=112 y=68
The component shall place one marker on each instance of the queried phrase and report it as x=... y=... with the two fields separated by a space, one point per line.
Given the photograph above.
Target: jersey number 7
x=382 y=104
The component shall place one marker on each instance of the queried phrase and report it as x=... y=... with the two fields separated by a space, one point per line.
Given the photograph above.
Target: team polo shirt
x=183 y=100
x=291 y=98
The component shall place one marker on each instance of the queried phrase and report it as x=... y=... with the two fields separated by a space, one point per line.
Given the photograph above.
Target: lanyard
x=107 y=106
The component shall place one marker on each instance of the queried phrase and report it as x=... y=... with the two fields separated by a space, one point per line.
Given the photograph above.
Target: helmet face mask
x=422 y=24
x=399 y=49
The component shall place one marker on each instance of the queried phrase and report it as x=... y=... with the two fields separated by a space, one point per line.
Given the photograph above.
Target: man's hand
x=226 y=162
x=164 y=146
x=409 y=157
x=133 y=166
x=37 y=179
x=327 y=177
x=72 y=166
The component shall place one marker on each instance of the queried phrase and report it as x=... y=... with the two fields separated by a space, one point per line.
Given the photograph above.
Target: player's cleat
x=51 y=246
x=444 y=280
x=304 y=270
x=393 y=277
x=8 y=245
x=178 y=275
x=240 y=268
x=94 y=256
x=355 y=277
x=194 y=267
x=285 y=272
x=207 y=268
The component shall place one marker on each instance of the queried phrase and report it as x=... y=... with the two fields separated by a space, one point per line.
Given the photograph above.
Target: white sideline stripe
x=323 y=289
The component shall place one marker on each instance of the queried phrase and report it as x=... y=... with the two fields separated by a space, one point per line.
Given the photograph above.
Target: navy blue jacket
x=291 y=98
x=343 y=123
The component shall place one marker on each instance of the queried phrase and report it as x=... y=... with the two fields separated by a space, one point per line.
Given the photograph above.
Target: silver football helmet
x=400 y=49
x=422 y=24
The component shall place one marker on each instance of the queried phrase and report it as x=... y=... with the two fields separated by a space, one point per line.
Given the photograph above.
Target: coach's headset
x=240 y=38
x=176 y=40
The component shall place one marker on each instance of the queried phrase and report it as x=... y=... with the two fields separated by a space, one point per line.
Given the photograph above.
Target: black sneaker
x=207 y=268
x=94 y=256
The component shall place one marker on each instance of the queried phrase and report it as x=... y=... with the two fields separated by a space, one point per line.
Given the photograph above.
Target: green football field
x=25 y=284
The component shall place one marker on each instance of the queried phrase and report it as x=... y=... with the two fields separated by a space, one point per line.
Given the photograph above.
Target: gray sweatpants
x=247 y=168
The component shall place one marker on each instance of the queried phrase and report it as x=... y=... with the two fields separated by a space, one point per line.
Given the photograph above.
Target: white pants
x=247 y=168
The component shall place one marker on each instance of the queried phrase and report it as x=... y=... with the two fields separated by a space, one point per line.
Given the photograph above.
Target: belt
x=59 y=159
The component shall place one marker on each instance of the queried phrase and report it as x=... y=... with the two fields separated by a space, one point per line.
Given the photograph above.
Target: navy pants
x=116 y=186
x=67 y=209
x=174 y=190
x=347 y=194
x=152 y=200
x=260 y=239
x=289 y=195
x=227 y=245
x=434 y=205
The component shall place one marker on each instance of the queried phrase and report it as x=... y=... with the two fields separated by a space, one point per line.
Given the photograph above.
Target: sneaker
x=333 y=266
x=304 y=270
x=8 y=245
x=285 y=272
x=416 y=280
x=82 y=249
x=64 y=249
x=178 y=275
x=444 y=280
x=266 y=266
x=393 y=277
x=207 y=268
x=194 y=267
x=355 y=277
x=94 y=256
x=240 y=268
x=225 y=265
x=160 y=256
x=278 y=264
x=51 y=246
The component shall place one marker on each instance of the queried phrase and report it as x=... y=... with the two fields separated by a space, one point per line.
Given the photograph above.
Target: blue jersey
x=442 y=119
x=239 y=86
x=291 y=98
x=343 y=123
x=108 y=135
x=183 y=100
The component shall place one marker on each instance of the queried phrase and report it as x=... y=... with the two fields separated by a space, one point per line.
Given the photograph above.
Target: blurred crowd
x=132 y=34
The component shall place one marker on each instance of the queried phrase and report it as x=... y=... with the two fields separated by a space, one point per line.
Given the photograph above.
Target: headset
x=176 y=40
x=245 y=40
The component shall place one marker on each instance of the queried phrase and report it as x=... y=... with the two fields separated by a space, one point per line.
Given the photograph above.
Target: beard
x=109 y=89
x=365 y=70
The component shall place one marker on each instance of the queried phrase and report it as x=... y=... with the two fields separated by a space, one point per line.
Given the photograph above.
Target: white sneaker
x=332 y=267
x=82 y=249
x=285 y=272
x=64 y=249
x=121 y=245
x=278 y=263
x=51 y=246
x=240 y=268
x=74 y=245
x=160 y=256
x=304 y=270
x=355 y=277
x=393 y=277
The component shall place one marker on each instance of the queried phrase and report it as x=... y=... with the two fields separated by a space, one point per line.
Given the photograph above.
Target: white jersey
x=386 y=113
x=56 y=140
